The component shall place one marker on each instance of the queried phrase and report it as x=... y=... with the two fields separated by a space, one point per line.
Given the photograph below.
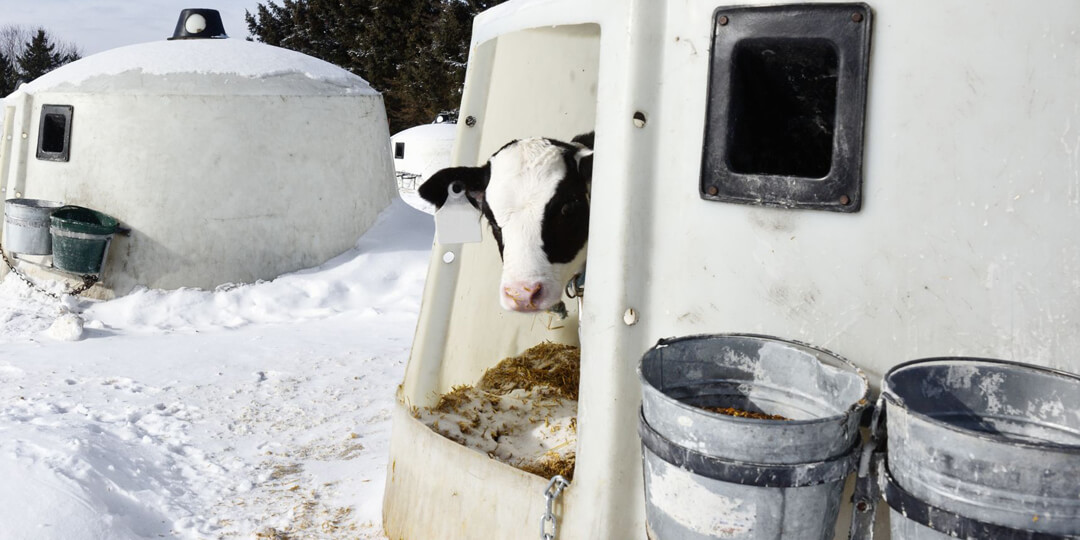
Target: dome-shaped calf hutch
x=419 y=152
x=951 y=228
x=224 y=160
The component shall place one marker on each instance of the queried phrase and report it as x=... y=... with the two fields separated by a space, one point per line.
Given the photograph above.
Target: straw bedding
x=522 y=412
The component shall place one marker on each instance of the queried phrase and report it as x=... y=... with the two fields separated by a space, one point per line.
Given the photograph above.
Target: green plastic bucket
x=80 y=239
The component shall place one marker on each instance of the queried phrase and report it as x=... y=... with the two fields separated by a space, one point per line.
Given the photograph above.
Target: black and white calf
x=535 y=194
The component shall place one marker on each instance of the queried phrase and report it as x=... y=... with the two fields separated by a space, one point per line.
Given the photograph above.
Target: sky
x=99 y=25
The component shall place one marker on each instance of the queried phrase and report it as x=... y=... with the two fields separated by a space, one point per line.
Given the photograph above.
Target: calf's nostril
x=535 y=292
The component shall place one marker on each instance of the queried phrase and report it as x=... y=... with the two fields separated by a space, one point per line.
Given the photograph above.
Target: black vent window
x=399 y=150
x=786 y=105
x=783 y=107
x=54 y=133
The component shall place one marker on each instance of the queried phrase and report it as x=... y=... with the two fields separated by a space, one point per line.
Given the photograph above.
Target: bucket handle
x=867 y=488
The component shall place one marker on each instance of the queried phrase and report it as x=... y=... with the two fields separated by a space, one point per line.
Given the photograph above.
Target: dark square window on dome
x=786 y=105
x=54 y=133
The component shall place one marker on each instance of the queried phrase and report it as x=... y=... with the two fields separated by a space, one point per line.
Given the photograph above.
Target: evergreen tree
x=16 y=42
x=40 y=57
x=9 y=76
x=14 y=39
x=433 y=75
x=413 y=51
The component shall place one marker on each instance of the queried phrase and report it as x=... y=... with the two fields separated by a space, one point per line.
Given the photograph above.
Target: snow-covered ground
x=254 y=411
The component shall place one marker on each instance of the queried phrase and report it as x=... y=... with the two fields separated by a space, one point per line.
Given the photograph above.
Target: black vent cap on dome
x=199 y=24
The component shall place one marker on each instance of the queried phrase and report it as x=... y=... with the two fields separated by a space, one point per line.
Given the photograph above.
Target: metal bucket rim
x=55 y=205
x=856 y=408
x=888 y=394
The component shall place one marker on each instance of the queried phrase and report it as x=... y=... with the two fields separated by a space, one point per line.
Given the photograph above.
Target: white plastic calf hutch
x=419 y=152
x=943 y=221
x=229 y=161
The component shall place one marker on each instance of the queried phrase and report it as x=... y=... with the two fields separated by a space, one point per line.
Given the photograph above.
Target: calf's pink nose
x=523 y=296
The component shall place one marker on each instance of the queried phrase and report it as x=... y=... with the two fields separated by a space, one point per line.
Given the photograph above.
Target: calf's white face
x=535 y=195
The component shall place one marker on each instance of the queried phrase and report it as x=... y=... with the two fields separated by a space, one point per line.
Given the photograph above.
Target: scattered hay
x=271 y=533
x=522 y=412
x=552 y=463
x=732 y=411
x=281 y=471
x=553 y=365
x=309 y=517
x=459 y=397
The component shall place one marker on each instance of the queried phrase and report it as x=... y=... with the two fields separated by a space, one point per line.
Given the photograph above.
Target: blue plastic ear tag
x=457 y=221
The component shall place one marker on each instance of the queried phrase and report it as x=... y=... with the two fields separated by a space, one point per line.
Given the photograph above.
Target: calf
x=535 y=195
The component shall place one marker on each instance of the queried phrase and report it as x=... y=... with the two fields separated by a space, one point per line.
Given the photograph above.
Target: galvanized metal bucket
x=982 y=449
x=26 y=226
x=711 y=475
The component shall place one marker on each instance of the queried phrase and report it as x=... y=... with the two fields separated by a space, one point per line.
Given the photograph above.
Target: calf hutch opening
x=522 y=412
x=489 y=405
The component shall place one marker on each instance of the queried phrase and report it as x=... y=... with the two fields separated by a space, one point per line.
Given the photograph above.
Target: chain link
x=554 y=489
x=575 y=288
x=88 y=280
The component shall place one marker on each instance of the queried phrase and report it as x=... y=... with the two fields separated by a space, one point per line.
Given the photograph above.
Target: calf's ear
x=584 y=159
x=584 y=156
x=473 y=180
x=585 y=139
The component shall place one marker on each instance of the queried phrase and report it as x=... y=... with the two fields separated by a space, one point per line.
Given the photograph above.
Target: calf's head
x=535 y=195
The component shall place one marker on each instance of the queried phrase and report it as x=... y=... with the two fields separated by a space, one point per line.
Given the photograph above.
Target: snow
x=236 y=57
x=251 y=411
x=67 y=327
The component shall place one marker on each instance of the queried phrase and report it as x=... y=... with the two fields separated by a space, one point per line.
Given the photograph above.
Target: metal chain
x=867 y=484
x=554 y=489
x=575 y=288
x=88 y=280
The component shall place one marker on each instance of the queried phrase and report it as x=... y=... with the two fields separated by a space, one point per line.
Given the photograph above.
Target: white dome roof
x=200 y=66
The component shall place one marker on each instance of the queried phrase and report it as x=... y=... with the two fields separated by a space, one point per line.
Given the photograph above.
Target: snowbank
x=254 y=411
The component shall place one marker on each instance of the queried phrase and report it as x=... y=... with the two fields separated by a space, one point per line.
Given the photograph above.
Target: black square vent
x=54 y=133
x=786 y=106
